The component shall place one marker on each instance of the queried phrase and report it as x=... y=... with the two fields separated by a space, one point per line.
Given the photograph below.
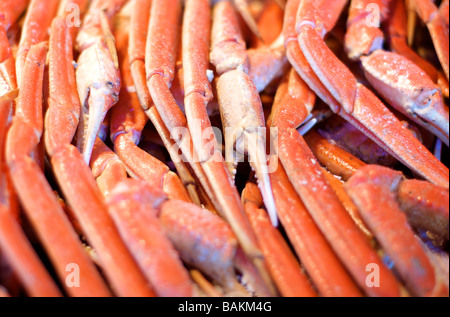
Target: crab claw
x=98 y=82
x=409 y=89
x=241 y=111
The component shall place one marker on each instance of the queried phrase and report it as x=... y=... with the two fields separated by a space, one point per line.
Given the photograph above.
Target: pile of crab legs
x=79 y=190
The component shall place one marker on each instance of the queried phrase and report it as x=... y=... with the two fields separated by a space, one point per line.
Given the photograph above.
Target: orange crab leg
x=315 y=253
x=284 y=267
x=74 y=176
x=330 y=215
x=438 y=28
x=196 y=232
x=132 y=208
x=37 y=198
x=293 y=102
x=354 y=99
x=98 y=77
x=62 y=116
x=128 y=119
x=137 y=50
x=336 y=160
x=20 y=253
x=373 y=190
x=398 y=41
x=99 y=228
x=426 y=205
x=40 y=14
x=13 y=242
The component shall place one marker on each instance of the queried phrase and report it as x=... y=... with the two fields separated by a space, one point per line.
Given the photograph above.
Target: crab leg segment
x=196 y=232
x=283 y=265
x=37 y=197
x=98 y=78
x=438 y=28
x=396 y=78
x=239 y=101
x=361 y=107
x=330 y=215
x=40 y=14
x=132 y=206
x=13 y=241
x=373 y=190
x=62 y=117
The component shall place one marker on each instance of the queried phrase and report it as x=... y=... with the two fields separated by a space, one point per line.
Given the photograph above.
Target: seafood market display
x=224 y=148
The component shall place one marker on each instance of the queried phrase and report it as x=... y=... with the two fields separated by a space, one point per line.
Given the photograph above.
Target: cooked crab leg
x=284 y=267
x=98 y=78
x=396 y=78
x=397 y=28
x=373 y=120
x=13 y=242
x=336 y=160
x=128 y=119
x=132 y=207
x=293 y=102
x=426 y=206
x=308 y=180
x=36 y=196
x=137 y=50
x=40 y=14
x=373 y=189
x=239 y=101
x=75 y=177
x=428 y=12
x=160 y=64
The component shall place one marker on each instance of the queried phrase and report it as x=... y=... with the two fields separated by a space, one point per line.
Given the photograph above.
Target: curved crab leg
x=336 y=160
x=20 y=253
x=128 y=119
x=426 y=205
x=373 y=190
x=239 y=101
x=40 y=14
x=196 y=232
x=438 y=28
x=98 y=78
x=160 y=66
x=37 y=198
x=330 y=215
x=396 y=78
x=132 y=207
x=354 y=99
x=293 y=102
x=13 y=241
x=284 y=267
x=397 y=28
x=74 y=176
x=137 y=50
